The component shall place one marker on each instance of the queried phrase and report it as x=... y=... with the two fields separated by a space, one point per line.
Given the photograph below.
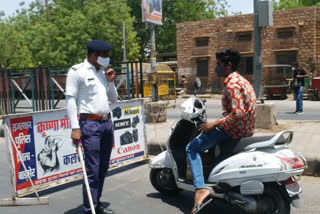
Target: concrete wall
x=266 y=114
x=156 y=112
x=224 y=32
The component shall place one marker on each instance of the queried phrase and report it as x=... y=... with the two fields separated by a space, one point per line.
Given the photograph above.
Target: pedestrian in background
x=89 y=89
x=297 y=86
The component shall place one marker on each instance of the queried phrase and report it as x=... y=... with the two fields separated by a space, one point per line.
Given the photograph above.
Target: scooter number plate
x=293 y=188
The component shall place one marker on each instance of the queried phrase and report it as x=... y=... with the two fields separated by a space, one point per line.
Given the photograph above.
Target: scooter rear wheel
x=277 y=203
x=163 y=180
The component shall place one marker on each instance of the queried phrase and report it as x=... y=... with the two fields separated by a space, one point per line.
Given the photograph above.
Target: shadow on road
x=184 y=202
x=78 y=210
x=290 y=112
x=111 y=172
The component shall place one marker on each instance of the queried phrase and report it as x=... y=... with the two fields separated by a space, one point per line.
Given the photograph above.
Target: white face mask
x=103 y=61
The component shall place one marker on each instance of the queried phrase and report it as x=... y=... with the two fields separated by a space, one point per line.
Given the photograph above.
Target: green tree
x=288 y=4
x=28 y=39
x=173 y=12
x=13 y=46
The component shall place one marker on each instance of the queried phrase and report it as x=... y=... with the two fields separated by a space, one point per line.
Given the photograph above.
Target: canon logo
x=123 y=150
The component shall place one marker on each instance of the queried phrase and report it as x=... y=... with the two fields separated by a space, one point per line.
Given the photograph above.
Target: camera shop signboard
x=129 y=131
x=45 y=147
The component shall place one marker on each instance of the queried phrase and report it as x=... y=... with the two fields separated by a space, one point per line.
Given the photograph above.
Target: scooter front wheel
x=163 y=180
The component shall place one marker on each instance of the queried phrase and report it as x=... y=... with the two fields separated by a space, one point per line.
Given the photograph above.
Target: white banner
x=44 y=143
x=129 y=131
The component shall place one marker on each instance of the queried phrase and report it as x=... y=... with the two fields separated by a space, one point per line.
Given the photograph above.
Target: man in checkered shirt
x=239 y=113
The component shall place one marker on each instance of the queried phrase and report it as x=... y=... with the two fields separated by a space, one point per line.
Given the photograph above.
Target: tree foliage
x=28 y=38
x=289 y=4
x=33 y=37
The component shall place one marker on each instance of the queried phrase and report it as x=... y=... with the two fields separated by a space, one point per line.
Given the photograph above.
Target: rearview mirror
x=197 y=83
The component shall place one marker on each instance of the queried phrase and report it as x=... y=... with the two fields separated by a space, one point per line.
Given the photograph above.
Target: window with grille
x=202 y=42
x=244 y=37
x=285 y=33
x=285 y=58
x=202 y=68
x=246 y=65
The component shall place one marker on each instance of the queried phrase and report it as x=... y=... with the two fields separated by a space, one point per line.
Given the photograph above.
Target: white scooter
x=261 y=177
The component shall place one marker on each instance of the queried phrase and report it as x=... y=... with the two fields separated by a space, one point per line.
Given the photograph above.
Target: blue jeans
x=299 y=99
x=200 y=144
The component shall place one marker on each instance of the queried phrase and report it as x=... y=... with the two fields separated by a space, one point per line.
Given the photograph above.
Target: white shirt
x=90 y=89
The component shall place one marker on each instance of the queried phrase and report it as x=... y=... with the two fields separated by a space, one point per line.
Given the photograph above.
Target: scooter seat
x=257 y=142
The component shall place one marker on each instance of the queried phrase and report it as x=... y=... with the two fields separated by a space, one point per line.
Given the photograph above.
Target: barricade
x=165 y=79
x=42 y=154
x=42 y=88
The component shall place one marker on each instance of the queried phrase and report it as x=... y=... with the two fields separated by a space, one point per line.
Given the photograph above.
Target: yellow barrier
x=166 y=83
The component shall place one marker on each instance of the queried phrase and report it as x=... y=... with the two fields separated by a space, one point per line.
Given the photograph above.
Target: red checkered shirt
x=239 y=107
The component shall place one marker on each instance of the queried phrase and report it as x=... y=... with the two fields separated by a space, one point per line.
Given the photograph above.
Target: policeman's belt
x=95 y=116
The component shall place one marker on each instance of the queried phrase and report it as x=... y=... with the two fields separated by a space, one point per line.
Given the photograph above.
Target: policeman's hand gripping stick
x=93 y=211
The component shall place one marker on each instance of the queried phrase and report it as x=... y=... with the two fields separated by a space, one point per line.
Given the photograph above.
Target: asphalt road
x=284 y=109
x=128 y=190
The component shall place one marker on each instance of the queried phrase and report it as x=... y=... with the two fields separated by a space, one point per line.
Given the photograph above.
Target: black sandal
x=198 y=207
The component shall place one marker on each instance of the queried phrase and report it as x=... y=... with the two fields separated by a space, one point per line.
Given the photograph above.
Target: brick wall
x=224 y=33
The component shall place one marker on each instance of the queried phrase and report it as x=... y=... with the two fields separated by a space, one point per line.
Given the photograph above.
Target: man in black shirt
x=298 y=86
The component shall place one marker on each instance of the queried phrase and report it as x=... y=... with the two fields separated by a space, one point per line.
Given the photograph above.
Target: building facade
x=295 y=36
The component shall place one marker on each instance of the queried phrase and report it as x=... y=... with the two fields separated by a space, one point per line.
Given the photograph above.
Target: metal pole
x=85 y=178
x=36 y=88
x=47 y=9
x=141 y=77
x=41 y=88
x=12 y=92
x=128 y=81
x=257 y=52
x=154 y=89
x=132 y=80
x=32 y=90
x=136 y=79
x=4 y=91
x=124 y=41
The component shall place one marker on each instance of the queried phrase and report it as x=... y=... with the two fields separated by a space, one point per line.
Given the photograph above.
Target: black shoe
x=101 y=210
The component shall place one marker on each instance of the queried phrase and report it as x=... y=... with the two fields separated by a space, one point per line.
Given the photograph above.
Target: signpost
x=262 y=17
x=152 y=14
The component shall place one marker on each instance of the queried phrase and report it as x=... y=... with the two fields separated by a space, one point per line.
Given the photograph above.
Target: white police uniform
x=90 y=89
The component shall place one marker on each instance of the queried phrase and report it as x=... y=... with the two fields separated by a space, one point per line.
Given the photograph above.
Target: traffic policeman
x=89 y=89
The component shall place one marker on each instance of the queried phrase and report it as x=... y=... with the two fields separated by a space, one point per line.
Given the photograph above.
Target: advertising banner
x=129 y=131
x=45 y=146
x=152 y=11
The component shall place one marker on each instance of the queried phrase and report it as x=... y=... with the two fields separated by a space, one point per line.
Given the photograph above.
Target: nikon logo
x=128 y=111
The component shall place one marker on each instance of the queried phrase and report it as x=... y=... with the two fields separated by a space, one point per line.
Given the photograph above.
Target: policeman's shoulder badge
x=77 y=66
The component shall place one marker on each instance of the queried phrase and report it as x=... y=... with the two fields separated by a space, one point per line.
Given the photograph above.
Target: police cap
x=99 y=45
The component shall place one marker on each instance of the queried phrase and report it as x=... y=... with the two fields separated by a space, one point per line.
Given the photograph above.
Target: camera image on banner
x=129 y=132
